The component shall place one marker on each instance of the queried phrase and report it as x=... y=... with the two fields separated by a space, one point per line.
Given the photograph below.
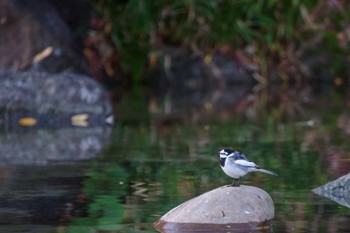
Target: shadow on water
x=164 y=151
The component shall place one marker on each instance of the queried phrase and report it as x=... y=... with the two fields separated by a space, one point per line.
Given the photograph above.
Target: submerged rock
x=227 y=207
x=337 y=190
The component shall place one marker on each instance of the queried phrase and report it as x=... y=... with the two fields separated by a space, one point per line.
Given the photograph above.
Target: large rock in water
x=52 y=99
x=224 y=208
x=337 y=190
x=47 y=118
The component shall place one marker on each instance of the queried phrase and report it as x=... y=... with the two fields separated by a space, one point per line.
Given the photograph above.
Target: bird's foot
x=235 y=183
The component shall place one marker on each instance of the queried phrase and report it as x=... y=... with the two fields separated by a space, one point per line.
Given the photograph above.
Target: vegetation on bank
x=264 y=36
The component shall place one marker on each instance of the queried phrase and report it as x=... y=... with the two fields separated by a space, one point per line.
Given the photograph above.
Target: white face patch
x=223 y=154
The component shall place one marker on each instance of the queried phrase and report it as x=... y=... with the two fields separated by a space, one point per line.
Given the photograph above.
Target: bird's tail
x=267 y=171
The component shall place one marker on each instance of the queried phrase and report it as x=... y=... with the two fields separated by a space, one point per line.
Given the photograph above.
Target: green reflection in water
x=102 y=190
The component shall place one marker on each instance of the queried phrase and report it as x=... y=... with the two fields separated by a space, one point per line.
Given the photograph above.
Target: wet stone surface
x=337 y=190
x=235 y=206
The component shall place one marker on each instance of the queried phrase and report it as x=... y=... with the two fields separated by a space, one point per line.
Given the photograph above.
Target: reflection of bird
x=235 y=164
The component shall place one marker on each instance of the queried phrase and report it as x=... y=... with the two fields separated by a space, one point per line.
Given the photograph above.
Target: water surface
x=164 y=150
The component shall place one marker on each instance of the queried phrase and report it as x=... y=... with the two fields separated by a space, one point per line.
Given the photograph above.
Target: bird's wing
x=238 y=155
x=245 y=163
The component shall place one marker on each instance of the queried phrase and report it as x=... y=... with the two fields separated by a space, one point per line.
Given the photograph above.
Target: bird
x=235 y=164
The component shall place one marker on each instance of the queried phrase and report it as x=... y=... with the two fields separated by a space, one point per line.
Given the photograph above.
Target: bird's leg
x=235 y=182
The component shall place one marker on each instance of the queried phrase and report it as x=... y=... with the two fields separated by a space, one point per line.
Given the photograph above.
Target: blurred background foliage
x=270 y=36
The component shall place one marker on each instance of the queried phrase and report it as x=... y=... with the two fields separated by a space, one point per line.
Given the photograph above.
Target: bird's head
x=225 y=152
x=223 y=155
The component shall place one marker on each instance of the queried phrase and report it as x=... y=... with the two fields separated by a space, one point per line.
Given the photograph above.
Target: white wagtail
x=235 y=164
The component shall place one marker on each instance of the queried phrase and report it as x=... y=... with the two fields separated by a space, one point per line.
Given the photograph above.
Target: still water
x=163 y=150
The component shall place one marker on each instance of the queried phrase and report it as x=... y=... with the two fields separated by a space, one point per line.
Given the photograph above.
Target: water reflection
x=42 y=146
x=40 y=174
x=164 y=152
x=38 y=198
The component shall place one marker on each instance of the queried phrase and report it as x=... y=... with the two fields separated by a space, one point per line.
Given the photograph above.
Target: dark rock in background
x=41 y=39
x=35 y=37
x=52 y=98
x=182 y=68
